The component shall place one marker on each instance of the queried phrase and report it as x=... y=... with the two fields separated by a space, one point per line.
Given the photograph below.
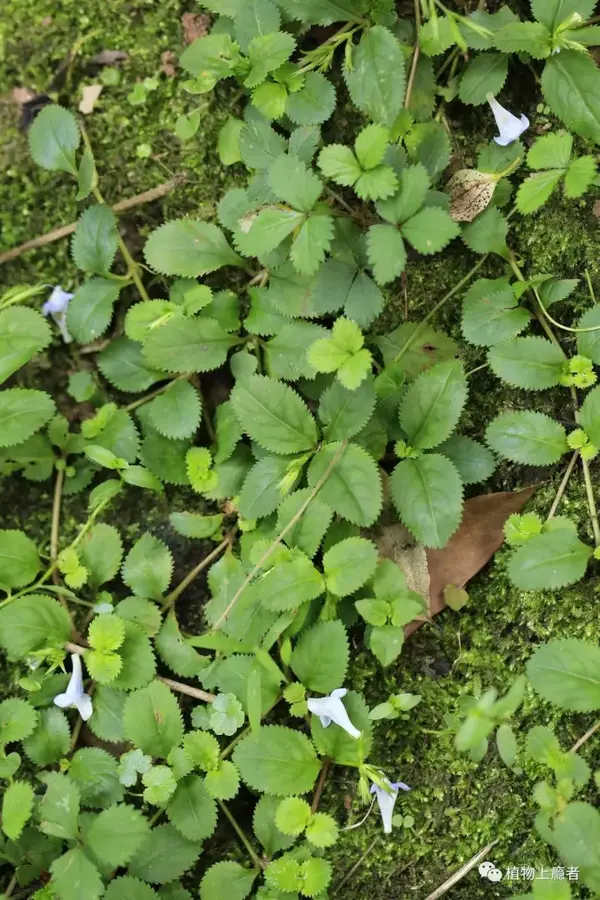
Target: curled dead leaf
x=470 y=192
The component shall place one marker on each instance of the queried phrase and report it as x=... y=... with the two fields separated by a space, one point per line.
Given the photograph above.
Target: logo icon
x=488 y=870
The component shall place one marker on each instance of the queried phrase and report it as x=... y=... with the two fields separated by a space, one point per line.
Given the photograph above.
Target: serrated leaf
x=123 y=364
x=192 y=810
x=507 y=744
x=17 y=720
x=308 y=532
x=101 y=552
x=576 y=835
x=74 y=877
x=414 y=187
x=320 y=658
x=485 y=74
x=17 y=806
x=554 y=12
x=265 y=827
x=288 y=584
x=428 y=495
x=19 y=559
x=487 y=233
x=524 y=37
x=273 y=415
x=432 y=405
x=194 y=525
x=339 y=163
x=189 y=247
x=223 y=783
x=472 y=460
x=377 y=184
x=259 y=144
x=386 y=252
x=348 y=565
x=304 y=141
x=59 y=807
x=22 y=412
x=313 y=103
x=532 y=363
x=188 y=345
x=551 y=151
x=175 y=652
x=566 y=672
x=127 y=888
x=286 y=352
x=491 y=314
x=376 y=80
x=107 y=721
x=344 y=413
x=311 y=243
x=164 y=856
x=95 y=773
x=53 y=139
x=263 y=232
x=430 y=230
x=116 y=834
x=352 y=487
x=137 y=658
x=165 y=458
x=267 y=52
x=176 y=413
x=294 y=183
x=152 y=720
x=91 y=309
x=535 y=190
x=32 y=622
x=571 y=86
x=549 y=561
x=148 y=566
x=227 y=879
x=277 y=760
x=589 y=416
x=527 y=437
x=264 y=487
x=428 y=144
x=94 y=244
x=580 y=175
x=51 y=739
x=23 y=333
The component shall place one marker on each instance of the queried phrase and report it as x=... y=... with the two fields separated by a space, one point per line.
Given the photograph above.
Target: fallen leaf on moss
x=89 y=96
x=167 y=63
x=430 y=572
x=470 y=192
x=194 y=26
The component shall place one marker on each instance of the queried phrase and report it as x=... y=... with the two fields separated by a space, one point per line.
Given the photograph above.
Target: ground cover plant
x=338 y=472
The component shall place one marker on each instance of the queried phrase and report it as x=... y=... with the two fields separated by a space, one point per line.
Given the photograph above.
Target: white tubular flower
x=74 y=696
x=331 y=709
x=509 y=126
x=387 y=800
x=56 y=306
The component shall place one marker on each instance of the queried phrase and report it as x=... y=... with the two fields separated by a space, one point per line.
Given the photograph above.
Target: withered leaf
x=470 y=192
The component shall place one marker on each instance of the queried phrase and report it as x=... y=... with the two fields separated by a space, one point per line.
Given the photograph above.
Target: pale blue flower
x=331 y=709
x=74 y=696
x=509 y=126
x=387 y=800
x=56 y=306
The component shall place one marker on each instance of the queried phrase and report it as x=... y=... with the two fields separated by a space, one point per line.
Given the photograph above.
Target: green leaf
x=141 y=612
x=473 y=461
x=428 y=495
x=59 y=807
x=487 y=233
x=491 y=314
x=286 y=353
x=589 y=416
x=524 y=37
x=265 y=827
x=22 y=412
x=293 y=815
x=311 y=243
x=91 y=309
x=304 y=141
x=152 y=720
x=223 y=783
x=32 y=622
x=175 y=652
x=532 y=363
x=123 y=364
x=137 y=657
x=74 y=877
x=106 y=632
x=576 y=836
x=313 y=103
x=192 y=810
x=549 y=561
x=17 y=720
x=344 y=413
x=376 y=77
x=94 y=244
x=415 y=349
x=164 y=856
x=386 y=252
x=486 y=74
x=189 y=247
x=176 y=413
x=348 y=565
x=264 y=487
x=51 y=739
x=259 y=144
x=428 y=144
x=87 y=176
x=414 y=187
x=339 y=163
x=566 y=672
x=210 y=58
x=551 y=151
x=294 y=183
x=53 y=139
x=227 y=879
x=95 y=773
x=430 y=230
x=148 y=566
x=432 y=405
x=320 y=658
x=266 y=53
x=107 y=721
x=116 y=834
x=101 y=553
x=377 y=184
x=23 y=333
x=370 y=146
x=527 y=437
x=580 y=176
x=188 y=345
x=19 y=559
x=571 y=86
x=127 y=888
x=17 y=807
x=228 y=144
x=507 y=745
x=273 y=415
x=277 y=760
x=385 y=643
x=554 y=12
x=336 y=743
x=288 y=584
x=536 y=190
x=353 y=486
x=309 y=530
x=194 y=525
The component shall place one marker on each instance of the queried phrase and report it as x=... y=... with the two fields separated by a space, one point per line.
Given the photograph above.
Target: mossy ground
x=458 y=807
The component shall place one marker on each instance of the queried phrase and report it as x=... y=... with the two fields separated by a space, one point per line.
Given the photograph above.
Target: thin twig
x=55 y=528
x=202 y=565
x=65 y=230
x=563 y=485
x=156 y=393
x=458 y=876
x=589 y=489
x=415 y=57
x=321 y=784
x=256 y=860
x=585 y=737
x=357 y=864
x=266 y=555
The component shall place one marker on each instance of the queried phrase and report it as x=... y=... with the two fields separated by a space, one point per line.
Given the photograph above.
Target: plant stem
x=585 y=737
x=563 y=485
x=457 y=287
x=415 y=57
x=589 y=489
x=202 y=565
x=256 y=860
x=55 y=527
x=464 y=870
x=357 y=865
x=11 y=886
x=156 y=393
x=281 y=536
x=476 y=369
x=321 y=783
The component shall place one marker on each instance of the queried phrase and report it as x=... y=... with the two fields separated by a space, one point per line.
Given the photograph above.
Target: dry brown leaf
x=109 y=57
x=194 y=26
x=89 y=96
x=596 y=209
x=470 y=192
x=22 y=95
x=480 y=534
x=168 y=60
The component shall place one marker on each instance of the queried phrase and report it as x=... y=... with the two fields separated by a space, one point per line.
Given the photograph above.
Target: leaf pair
x=553 y=153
